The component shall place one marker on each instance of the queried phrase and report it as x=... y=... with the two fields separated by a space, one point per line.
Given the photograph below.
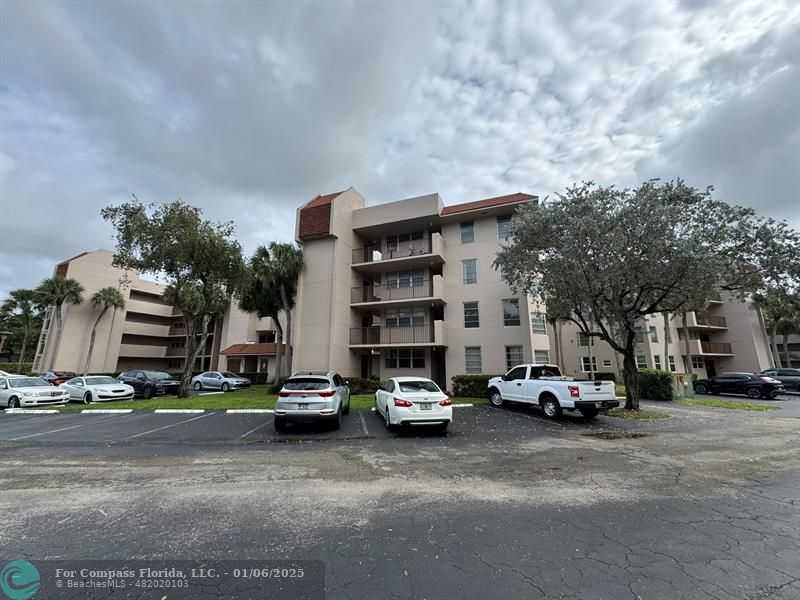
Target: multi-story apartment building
x=146 y=333
x=408 y=288
x=728 y=336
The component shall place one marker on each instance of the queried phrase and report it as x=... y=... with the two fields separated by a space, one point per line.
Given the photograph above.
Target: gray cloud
x=248 y=109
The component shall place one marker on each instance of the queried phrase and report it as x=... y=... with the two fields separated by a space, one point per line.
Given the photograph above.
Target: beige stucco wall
x=428 y=205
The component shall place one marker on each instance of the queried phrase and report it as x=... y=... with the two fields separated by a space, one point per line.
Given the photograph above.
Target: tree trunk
x=773 y=335
x=22 y=350
x=288 y=312
x=557 y=354
x=57 y=340
x=786 y=359
x=688 y=362
x=192 y=350
x=91 y=342
x=630 y=375
x=667 y=340
x=278 y=352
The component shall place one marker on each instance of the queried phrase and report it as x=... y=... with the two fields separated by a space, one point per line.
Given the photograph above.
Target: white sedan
x=17 y=391
x=97 y=388
x=413 y=401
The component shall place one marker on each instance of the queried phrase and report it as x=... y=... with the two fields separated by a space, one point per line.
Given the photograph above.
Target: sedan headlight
x=29 y=394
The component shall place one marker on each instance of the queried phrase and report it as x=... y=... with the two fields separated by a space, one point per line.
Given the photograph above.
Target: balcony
x=716 y=348
x=705 y=322
x=148 y=329
x=142 y=351
x=415 y=254
x=431 y=334
x=368 y=295
x=149 y=308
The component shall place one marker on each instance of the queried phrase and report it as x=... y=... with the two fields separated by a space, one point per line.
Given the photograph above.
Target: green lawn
x=732 y=404
x=255 y=397
x=638 y=415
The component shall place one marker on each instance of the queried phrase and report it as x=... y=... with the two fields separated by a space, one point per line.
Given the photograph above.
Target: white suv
x=17 y=391
x=312 y=396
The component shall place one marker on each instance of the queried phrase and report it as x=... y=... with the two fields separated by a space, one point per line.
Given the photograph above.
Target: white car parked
x=97 y=388
x=413 y=401
x=17 y=391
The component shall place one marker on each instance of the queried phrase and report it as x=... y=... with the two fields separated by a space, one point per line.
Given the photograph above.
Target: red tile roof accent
x=259 y=349
x=315 y=217
x=63 y=266
x=488 y=203
x=320 y=200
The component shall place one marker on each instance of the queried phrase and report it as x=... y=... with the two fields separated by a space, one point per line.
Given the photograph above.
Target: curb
x=178 y=411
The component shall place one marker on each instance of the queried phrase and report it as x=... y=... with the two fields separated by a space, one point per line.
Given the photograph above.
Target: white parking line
x=249 y=411
x=462 y=405
x=363 y=422
x=178 y=411
x=106 y=411
x=166 y=426
x=24 y=437
x=31 y=411
x=264 y=424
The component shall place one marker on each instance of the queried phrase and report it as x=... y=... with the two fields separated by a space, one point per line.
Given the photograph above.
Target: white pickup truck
x=544 y=386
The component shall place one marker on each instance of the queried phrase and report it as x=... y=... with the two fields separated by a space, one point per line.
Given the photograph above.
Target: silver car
x=312 y=396
x=219 y=380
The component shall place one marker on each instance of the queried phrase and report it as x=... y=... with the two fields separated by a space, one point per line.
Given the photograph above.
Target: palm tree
x=261 y=296
x=22 y=304
x=108 y=297
x=287 y=263
x=56 y=292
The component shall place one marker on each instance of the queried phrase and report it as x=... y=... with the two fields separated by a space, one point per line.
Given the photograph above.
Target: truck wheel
x=589 y=412
x=552 y=409
x=495 y=399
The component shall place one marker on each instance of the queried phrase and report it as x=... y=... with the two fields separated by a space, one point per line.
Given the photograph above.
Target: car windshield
x=229 y=374
x=101 y=381
x=306 y=383
x=418 y=386
x=156 y=375
x=20 y=382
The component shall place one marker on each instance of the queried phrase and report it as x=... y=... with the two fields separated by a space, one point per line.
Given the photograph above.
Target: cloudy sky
x=249 y=109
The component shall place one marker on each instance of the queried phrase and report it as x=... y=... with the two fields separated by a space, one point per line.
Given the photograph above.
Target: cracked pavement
x=508 y=505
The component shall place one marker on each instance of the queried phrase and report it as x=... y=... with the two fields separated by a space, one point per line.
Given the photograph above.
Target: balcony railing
x=376 y=252
x=716 y=348
x=376 y=335
x=712 y=321
x=383 y=293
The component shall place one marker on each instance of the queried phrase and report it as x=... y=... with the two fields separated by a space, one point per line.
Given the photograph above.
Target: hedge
x=13 y=368
x=471 y=386
x=656 y=385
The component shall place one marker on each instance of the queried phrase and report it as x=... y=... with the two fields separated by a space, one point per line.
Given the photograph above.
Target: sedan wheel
x=386 y=420
x=198 y=386
x=14 y=403
x=87 y=398
x=225 y=387
x=754 y=392
x=701 y=388
x=147 y=393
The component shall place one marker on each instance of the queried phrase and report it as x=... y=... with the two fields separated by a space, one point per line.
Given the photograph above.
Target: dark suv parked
x=751 y=384
x=790 y=378
x=150 y=383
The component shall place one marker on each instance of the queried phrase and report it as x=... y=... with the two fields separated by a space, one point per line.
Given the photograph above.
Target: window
x=404 y=243
x=539 y=323
x=585 y=339
x=405 y=358
x=657 y=361
x=541 y=357
x=471 y=316
x=585 y=364
x=404 y=317
x=606 y=363
x=513 y=356
x=467 y=232
x=653 y=335
x=511 y=312
x=474 y=364
x=548 y=371
x=404 y=279
x=518 y=373
x=671 y=361
x=503 y=227
x=697 y=362
x=641 y=361
x=469 y=271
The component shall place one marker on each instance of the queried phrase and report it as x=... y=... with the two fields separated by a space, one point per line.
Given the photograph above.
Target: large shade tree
x=103 y=299
x=57 y=292
x=610 y=257
x=22 y=314
x=200 y=260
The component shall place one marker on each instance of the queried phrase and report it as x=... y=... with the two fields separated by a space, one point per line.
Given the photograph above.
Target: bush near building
x=656 y=385
x=14 y=368
x=472 y=386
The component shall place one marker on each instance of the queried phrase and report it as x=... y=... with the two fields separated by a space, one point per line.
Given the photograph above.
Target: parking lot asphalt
x=507 y=504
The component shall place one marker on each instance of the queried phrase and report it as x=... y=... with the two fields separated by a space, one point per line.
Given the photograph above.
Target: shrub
x=360 y=386
x=656 y=385
x=473 y=386
x=12 y=368
x=276 y=387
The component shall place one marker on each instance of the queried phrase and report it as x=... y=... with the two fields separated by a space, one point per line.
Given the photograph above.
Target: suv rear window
x=307 y=383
